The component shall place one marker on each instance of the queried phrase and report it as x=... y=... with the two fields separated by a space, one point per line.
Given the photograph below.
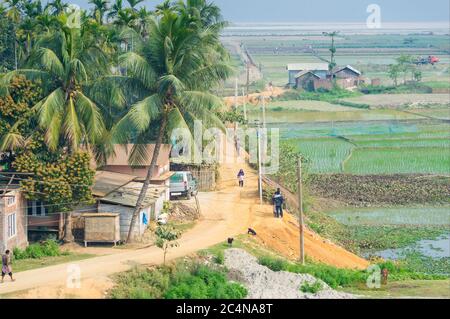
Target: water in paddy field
x=415 y=216
x=435 y=248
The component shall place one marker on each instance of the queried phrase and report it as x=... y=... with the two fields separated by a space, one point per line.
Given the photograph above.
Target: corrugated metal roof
x=347 y=67
x=307 y=66
x=107 y=182
x=302 y=73
x=128 y=194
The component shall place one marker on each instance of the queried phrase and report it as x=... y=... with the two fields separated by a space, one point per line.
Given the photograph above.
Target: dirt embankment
x=362 y=191
x=254 y=98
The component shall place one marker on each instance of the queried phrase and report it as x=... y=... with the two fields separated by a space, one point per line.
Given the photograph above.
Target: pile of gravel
x=263 y=283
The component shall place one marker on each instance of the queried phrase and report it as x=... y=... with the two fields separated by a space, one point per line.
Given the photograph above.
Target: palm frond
x=145 y=111
x=139 y=68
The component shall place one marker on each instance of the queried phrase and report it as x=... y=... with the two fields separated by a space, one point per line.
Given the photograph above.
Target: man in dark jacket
x=278 y=201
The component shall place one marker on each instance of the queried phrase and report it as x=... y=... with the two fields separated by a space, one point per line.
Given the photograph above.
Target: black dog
x=230 y=241
x=251 y=232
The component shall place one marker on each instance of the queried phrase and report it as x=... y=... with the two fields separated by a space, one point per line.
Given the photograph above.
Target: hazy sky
x=325 y=10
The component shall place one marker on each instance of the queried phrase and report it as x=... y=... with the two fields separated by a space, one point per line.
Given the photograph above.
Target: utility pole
x=258 y=135
x=300 y=209
x=248 y=78
x=245 y=104
x=236 y=94
x=263 y=106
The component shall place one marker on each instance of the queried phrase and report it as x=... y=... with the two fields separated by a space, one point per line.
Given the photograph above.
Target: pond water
x=426 y=216
x=436 y=248
x=416 y=216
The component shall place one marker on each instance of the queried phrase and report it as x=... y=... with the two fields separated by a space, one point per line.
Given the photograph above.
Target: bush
x=274 y=264
x=48 y=248
x=204 y=283
x=311 y=288
x=334 y=277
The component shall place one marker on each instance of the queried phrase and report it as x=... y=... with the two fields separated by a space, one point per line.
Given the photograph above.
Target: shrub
x=334 y=277
x=48 y=248
x=204 y=283
x=311 y=288
x=274 y=264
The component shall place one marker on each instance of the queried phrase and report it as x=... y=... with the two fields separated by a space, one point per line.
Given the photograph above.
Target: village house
x=313 y=79
x=295 y=69
x=118 y=193
x=120 y=163
x=13 y=217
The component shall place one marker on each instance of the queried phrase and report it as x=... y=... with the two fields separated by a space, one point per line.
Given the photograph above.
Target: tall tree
x=134 y=3
x=174 y=70
x=66 y=61
x=57 y=7
x=100 y=9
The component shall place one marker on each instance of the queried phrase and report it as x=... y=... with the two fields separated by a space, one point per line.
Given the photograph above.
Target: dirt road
x=226 y=212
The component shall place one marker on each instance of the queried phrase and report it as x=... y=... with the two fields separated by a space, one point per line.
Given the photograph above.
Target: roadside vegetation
x=187 y=279
x=43 y=254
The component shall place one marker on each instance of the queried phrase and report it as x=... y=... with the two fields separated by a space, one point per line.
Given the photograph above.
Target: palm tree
x=115 y=8
x=14 y=14
x=174 y=69
x=66 y=62
x=134 y=3
x=57 y=7
x=100 y=8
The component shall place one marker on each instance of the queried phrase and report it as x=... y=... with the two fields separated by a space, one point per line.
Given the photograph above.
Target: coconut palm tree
x=57 y=7
x=173 y=70
x=115 y=8
x=14 y=13
x=100 y=8
x=134 y=3
x=66 y=62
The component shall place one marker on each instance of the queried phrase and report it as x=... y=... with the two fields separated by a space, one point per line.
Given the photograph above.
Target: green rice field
x=372 y=147
x=403 y=160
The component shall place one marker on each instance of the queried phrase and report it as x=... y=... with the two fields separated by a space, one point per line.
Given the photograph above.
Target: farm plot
x=336 y=116
x=306 y=105
x=401 y=100
x=402 y=142
x=406 y=160
x=325 y=155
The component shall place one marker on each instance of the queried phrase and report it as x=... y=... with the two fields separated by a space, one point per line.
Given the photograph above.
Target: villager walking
x=240 y=177
x=6 y=265
x=277 y=201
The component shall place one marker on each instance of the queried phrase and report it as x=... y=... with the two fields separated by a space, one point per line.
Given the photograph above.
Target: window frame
x=11 y=225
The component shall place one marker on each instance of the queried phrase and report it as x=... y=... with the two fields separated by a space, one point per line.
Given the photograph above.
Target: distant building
x=319 y=69
x=314 y=76
x=13 y=217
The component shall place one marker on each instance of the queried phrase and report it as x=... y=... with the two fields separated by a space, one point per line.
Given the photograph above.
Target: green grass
x=438 y=84
x=311 y=288
x=407 y=288
x=29 y=264
x=430 y=160
x=187 y=279
x=402 y=142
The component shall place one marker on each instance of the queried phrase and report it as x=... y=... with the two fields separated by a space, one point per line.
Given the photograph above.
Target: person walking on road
x=278 y=201
x=240 y=177
x=6 y=265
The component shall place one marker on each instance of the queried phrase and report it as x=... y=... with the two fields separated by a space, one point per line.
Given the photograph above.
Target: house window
x=12 y=227
x=36 y=208
x=10 y=201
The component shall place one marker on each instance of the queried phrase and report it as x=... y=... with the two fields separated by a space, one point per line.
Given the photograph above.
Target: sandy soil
x=253 y=98
x=225 y=213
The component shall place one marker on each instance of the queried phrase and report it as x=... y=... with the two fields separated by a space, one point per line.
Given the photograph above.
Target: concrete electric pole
x=300 y=209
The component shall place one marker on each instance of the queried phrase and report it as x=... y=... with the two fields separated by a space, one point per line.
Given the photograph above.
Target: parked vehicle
x=183 y=184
